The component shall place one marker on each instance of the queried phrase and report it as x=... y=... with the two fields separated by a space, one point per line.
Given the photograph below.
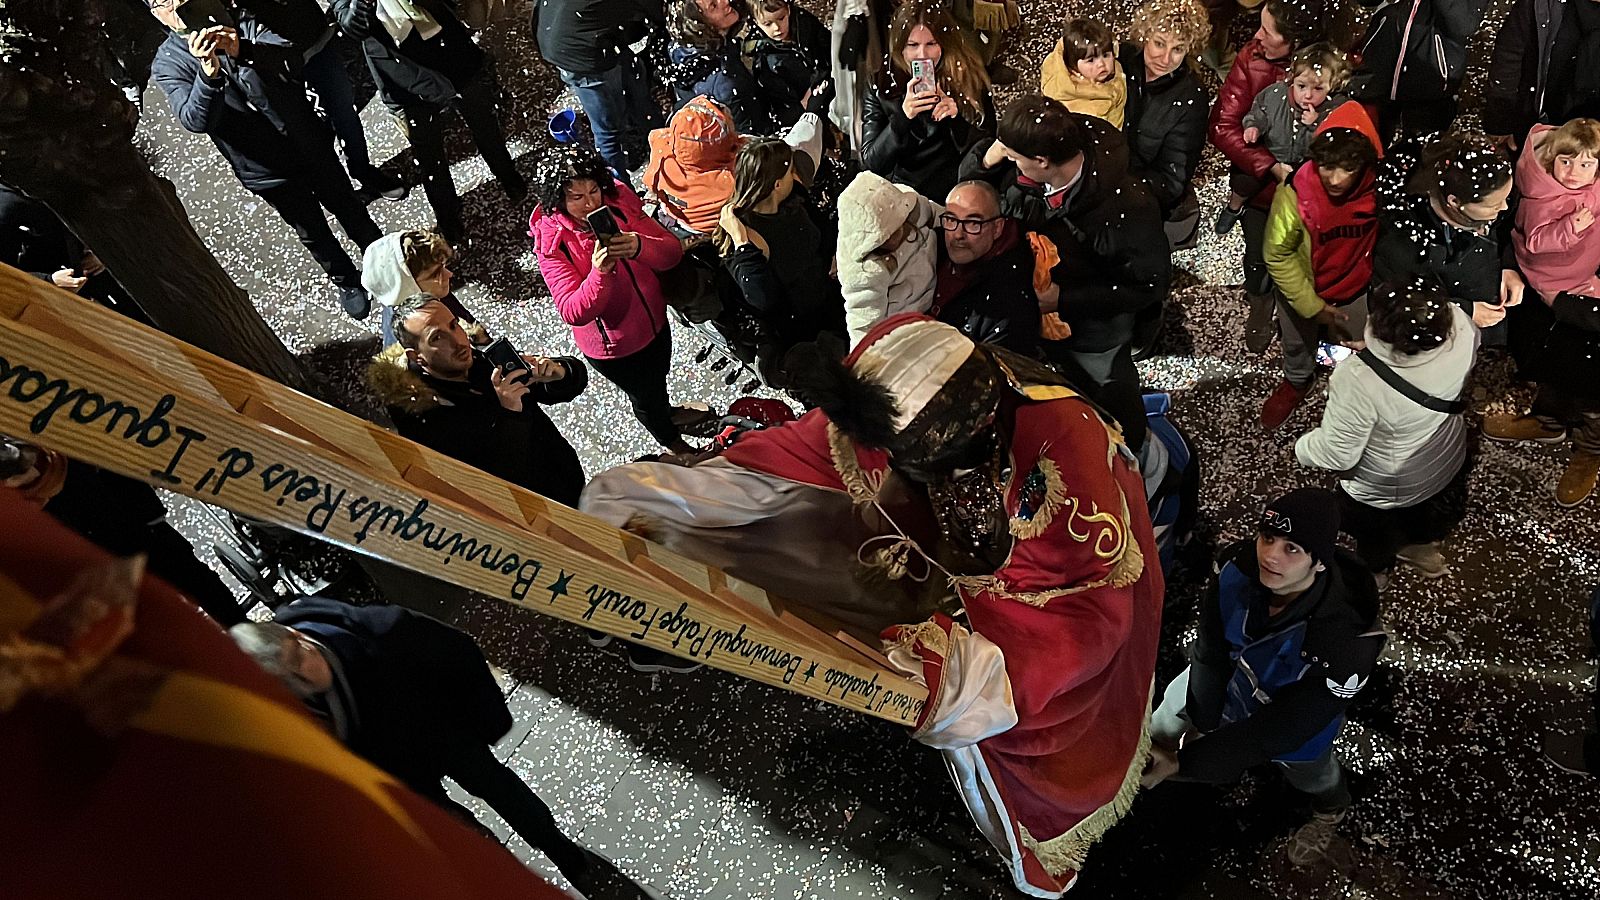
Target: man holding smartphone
x=480 y=407
x=229 y=76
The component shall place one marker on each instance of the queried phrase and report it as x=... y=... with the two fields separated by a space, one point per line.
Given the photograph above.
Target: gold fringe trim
x=1055 y=494
x=1068 y=851
x=863 y=486
x=928 y=633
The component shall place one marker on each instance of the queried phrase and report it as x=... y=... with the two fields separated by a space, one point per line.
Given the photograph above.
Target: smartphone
x=1332 y=354
x=198 y=15
x=922 y=78
x=506 y=358
x=603 y=223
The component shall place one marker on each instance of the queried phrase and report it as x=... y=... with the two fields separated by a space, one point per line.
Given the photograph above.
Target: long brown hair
x=761 y=164
x=961 y=72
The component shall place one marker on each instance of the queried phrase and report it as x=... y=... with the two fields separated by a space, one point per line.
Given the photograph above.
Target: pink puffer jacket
x=613 y=314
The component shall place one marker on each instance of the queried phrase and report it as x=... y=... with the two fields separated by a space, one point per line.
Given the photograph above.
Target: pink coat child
x=1556 y=241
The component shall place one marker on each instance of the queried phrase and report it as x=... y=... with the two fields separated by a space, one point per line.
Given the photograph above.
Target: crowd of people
x=955 y=294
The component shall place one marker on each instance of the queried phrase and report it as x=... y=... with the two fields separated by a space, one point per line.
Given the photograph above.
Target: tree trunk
x=66 y=139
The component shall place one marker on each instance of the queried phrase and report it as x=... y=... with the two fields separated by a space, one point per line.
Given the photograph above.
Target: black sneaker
x=516 y=187
x=648 y=660
x=1227 y=217
x=376 y=183
x=356 y=302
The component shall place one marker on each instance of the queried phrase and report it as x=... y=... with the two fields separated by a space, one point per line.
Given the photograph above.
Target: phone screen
x=1332 y=354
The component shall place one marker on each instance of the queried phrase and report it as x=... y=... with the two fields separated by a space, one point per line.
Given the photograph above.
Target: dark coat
x=998 y=305
x=1341 y=641
x=1559 y=343
x=255 y=111
x=465 y=421
x=302 y=23
x=422 y=691
x=922 y=154
x=417 y=73
x=1414 y=242
x=1514 y=98
x=791 y=293
x=1165 y=124
x=1114 y=255
x=586 y=37
x=1416 y=51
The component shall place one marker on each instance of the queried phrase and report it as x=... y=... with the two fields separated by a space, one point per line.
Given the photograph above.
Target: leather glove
x=853 y=43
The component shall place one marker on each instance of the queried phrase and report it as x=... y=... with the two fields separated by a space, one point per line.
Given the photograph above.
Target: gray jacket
x=1282 y=132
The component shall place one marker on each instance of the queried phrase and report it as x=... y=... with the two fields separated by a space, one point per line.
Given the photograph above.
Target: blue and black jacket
x=1265 y=687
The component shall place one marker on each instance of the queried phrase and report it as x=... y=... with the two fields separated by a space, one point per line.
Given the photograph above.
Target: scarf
x=1343 y=233
x=1572 y=84
x=399 y=17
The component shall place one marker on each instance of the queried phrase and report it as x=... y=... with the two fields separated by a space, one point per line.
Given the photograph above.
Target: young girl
x=1556 y=242
x=1083 y=73
x=887 y=252
x=1284 y=118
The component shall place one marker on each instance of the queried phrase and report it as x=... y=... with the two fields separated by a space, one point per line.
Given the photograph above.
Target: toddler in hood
x=1083 y=73
x=1557 y=245
x=887 y=255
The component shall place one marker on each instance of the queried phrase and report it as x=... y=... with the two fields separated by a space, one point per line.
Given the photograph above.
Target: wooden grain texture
x=68 y=381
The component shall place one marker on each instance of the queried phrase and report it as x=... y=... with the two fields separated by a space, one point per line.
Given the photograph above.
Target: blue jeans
x=620 y=110
x=325 y=74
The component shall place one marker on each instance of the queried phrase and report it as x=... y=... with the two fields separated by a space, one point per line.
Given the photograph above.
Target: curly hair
x=1325 y=61
x=1185 y=20
x=562 y=167
x=1414 y=318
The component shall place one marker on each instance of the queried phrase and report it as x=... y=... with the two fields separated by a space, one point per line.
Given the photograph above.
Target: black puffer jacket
x=922 y=154
x=1115 y=259
x=1415 y=50
x=1165 y=126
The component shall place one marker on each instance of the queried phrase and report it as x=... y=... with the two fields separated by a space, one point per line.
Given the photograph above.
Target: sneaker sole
x=1552 y=439
x=1425 y=573
x=1578 y=502
x=655 y=668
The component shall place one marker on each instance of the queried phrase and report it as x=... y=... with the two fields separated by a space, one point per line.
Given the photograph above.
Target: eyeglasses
x=970 y=226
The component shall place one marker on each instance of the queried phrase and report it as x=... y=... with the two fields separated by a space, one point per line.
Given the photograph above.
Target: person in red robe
x=1041 y=699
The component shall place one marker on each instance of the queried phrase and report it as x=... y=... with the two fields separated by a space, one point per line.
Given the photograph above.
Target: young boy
x=1082 y=72
x=1318 y=249
x=1285 y=116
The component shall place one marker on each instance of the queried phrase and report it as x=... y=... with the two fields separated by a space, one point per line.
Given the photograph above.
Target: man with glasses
x=984 y=282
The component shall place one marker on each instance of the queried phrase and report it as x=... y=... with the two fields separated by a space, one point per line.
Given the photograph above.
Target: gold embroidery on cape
x=1055 y=493
x=1067 y=851
x=928 y=633
x=1128 y=559
x=863 y=486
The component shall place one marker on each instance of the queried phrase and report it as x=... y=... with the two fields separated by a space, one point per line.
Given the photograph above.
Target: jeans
x=643 y=377
x=1300 y=336
x=620 y=109
x=1109 y=378
x=325 y=74
x=476 y=102
x=1322 y=778
x=300 y=201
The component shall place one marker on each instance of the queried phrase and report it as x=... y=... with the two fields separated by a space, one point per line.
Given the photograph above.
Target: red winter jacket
x=612 y=314
x=1251 y=74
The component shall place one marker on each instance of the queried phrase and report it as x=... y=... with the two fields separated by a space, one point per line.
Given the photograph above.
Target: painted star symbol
x=812 y=670
x=558 y=588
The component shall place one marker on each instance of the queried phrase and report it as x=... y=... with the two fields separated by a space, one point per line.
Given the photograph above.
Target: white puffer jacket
x=870 y=210
x=1391 y=451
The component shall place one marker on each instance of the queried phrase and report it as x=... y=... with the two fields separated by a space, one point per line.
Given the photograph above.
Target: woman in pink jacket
x=608 y=290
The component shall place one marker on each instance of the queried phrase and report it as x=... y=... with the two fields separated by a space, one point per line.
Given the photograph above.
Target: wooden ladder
x=103 y=389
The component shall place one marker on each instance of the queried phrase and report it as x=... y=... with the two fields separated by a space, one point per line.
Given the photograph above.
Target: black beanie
x=1307 y=516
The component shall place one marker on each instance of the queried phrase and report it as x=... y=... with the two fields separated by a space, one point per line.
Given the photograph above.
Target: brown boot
x=1577 y=482
x=1521 y=428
